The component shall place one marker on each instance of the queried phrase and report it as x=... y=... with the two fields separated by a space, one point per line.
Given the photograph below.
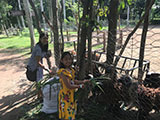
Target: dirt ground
x=16 y=92
x=13 y=86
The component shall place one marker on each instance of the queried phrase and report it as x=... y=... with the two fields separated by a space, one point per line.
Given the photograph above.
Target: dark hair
x=43 y=47
x=43 y=35
x=61 y=65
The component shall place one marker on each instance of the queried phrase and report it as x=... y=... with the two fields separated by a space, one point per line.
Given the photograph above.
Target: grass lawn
x=18 y=44
x=21 y=44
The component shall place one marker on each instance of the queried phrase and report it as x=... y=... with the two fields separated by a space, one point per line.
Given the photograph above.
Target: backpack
x=31 y=75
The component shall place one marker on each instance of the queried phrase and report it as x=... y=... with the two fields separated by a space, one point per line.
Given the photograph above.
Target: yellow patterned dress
x=67 y=105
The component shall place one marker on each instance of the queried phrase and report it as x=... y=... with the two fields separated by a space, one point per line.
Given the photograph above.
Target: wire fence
x=132 y=50
x=129 y=99
x=152 y=46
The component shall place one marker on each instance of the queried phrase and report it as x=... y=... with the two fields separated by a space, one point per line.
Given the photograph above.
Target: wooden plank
x=70 y=41
x=123 y=64
x=97 y=44
x=17 y=12
x=133 y=66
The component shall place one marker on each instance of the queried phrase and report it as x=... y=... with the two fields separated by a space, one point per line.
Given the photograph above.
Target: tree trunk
x=86 y=32
x=29 y=21
x=112 y=30
x=64 y=12
x=82 y=41
x=61 y=26
x=51 y=18
x=78 y=35
x=36 y=17
x=143 y=41
x=20 y=8
x=4 y=28
x=64 y=9
x=128 y=12
x=90 y=29
x=19 y=24
x=56 y=32
x=42 y=10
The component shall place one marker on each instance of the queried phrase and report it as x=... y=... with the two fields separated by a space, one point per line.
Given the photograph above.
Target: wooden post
x=74 y=42
x=120 y=38
x=68 y=39
x=143 y=42
x=104 y=41
x=98 y=36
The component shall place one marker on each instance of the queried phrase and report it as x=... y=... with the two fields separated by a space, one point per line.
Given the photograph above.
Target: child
x=67 y=105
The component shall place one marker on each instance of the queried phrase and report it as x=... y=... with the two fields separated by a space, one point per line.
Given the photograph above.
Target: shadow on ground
x=13 y=50
x=23 y=105
x=15 y=105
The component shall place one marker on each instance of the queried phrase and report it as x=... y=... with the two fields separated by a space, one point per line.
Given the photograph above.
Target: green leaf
x=129 y=2
x=122 y=4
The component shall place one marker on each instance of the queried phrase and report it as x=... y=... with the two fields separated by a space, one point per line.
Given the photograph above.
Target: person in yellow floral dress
x=67 y=105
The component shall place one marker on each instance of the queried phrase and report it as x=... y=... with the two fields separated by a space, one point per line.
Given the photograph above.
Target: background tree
x=112 y=30
x=30 y=23
x=143 y=41
x=22 y=19
x=83 y=37
x=61 y=20
x=155 y=13
x=36 y=17
x=57 y=50
x=73 y=11
x=87 y=23
x=4 y=9
x=139 y=7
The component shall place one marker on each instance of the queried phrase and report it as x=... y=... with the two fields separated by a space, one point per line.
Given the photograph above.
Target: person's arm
x=68 y=84
x=38 y=59
x=48 y=56
x=81 y=82
x=49 y=62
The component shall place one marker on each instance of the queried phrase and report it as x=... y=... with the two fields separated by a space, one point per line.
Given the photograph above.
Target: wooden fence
x=98 y=38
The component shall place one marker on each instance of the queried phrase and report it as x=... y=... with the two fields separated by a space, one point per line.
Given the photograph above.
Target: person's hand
x=50 y=71
x=85 y=81
x=54 y=70
x=76 y=68
x=81 y=86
